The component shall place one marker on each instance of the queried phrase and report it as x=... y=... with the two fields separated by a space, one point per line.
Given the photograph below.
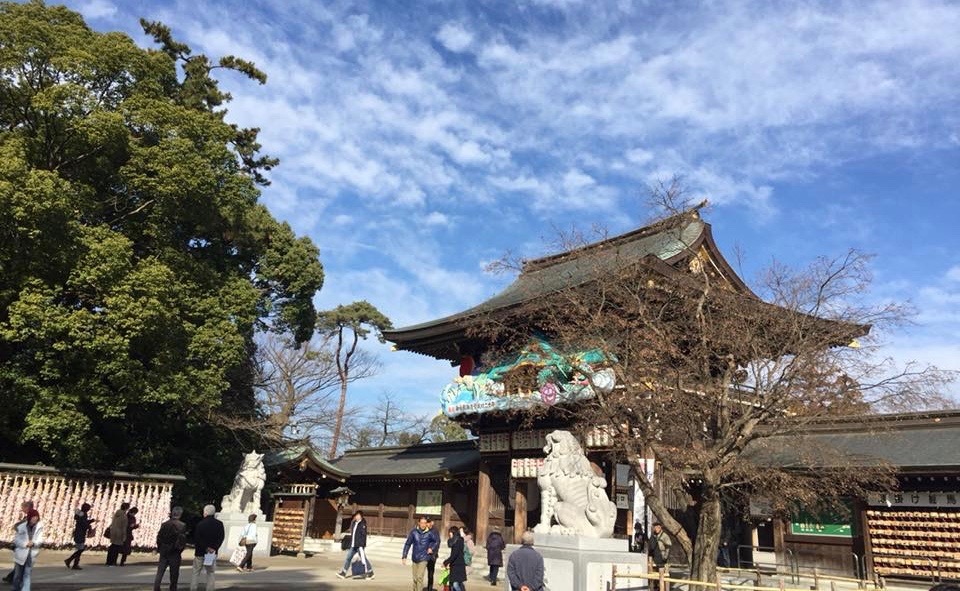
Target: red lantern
x=466 y=365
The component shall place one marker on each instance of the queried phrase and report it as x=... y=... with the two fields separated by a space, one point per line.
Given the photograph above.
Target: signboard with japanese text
x=825 y=523
x=429 y=502
x=915 y=499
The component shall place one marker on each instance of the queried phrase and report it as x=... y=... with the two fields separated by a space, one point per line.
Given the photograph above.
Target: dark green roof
x=429 y=460
x=908 y=441
x=667 y=243
x=297 y=454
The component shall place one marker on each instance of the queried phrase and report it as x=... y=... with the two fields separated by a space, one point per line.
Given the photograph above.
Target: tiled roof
x=430 y=460
x=913 y=441
x=675 y=238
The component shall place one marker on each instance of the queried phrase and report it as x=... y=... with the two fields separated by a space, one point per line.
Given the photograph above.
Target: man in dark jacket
x=660 y=544
x=207 y=538
x=525 y=567
x=171 y=540
x=423 y=541
x=358 y=544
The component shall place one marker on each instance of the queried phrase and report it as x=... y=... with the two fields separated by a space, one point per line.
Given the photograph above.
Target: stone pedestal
x=576 y=563
x=235 y=523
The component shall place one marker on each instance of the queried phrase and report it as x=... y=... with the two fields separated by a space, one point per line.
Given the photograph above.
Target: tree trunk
x=655 y=503
x=339 y=424
x=704 y=563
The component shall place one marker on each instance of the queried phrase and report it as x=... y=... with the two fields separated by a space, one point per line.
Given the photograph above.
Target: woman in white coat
x=26 y=546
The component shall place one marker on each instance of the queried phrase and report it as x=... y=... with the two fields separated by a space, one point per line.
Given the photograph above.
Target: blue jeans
x=21 y=576
x=363 y=557
x=457 y=587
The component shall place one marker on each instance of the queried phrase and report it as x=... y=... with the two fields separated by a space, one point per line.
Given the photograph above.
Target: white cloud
x=97 y=9
x=435 y=218
x=953 y=273
x=454 y=37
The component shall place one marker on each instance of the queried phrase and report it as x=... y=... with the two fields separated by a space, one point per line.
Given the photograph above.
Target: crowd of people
x=525 y=568
x=208 y=537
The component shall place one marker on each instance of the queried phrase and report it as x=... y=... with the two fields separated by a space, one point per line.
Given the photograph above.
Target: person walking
x=525 y=567
x=132 y=524
x=207 y=538
x=432 y=558
x=81 y=529
x=422 y=541
x=26 y=546
x=456 y=561
x=660 y=544
x=248 y=539
x=171 y=540
x=469 y=548
x=358 y=545
x=495 y=546
x=117 y=532
x=25 y=508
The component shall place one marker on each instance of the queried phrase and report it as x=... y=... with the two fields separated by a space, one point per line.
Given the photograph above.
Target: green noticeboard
x=805 y=524
x=820 y=529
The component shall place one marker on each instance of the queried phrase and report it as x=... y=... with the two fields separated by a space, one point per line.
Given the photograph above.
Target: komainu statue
x=571 y=493
x=244 y=497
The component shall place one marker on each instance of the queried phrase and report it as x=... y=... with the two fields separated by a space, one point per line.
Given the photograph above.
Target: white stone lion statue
x=571 y=493
x=244 y=497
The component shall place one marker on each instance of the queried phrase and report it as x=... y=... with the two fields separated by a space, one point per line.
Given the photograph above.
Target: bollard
x=833 y=586
x=816 y=579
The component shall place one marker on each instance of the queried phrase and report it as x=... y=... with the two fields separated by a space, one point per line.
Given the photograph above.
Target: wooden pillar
x=520 y=510
x=446 y=509
x=484 y=501
x=860 y=519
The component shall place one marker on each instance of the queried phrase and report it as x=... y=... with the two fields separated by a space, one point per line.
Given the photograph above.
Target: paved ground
x=317 y=573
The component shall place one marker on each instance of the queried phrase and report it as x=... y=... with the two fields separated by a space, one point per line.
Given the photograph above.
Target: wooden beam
x=520 y=510
x=446 y=509
x=484 y=501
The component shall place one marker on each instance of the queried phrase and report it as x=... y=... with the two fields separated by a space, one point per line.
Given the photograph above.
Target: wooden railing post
x=613 y=579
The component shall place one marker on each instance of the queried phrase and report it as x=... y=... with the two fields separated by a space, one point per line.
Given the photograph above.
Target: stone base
x=235 y=523
x=576 y=563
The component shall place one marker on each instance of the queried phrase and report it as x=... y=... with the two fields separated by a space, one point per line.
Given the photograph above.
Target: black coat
x=358 y=534
x=208 y=534
x=172 y=537
x=81 y=527
x=455 y=562
x=495 y=546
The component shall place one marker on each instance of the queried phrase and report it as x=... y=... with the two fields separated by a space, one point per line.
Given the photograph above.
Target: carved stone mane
x=571 y=493
x=244 y=496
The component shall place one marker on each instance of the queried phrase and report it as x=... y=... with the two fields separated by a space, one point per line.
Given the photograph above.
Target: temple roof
x=428 y=460
x=908 y=441
x=666 y=246
x=303 y=457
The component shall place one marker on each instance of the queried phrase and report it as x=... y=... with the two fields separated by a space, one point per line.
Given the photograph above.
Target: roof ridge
x=661 y=225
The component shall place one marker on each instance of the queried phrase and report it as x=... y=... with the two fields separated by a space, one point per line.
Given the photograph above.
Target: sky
x=421 y=140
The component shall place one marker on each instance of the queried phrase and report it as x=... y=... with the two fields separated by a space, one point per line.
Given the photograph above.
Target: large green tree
x=136 y=263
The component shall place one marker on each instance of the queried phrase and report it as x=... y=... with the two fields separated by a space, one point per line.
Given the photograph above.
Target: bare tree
x=296 y=388
x=388 y=424
x=708 y=373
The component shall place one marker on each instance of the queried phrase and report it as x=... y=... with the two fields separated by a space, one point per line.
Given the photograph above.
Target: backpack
x=467 y=555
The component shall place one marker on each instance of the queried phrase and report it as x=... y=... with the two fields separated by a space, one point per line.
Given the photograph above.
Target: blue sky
x=421 y=140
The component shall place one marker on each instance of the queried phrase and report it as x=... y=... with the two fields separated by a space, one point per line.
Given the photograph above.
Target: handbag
x=91 y=532
x=106 y=533
x=239 y=553
x=243 y=541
